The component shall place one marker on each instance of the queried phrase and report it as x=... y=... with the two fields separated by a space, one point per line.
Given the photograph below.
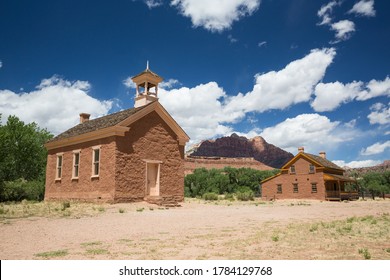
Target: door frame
x=149 y=162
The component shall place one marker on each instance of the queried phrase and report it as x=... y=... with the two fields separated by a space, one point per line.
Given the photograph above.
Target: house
x=132 y=155
x=308 y=176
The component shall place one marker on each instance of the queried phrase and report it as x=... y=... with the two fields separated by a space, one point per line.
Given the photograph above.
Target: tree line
x=374 y=183
x=244 y=182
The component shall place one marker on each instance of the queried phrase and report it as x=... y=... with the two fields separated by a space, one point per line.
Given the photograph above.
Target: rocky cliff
x=384 y=166
x=235 y=146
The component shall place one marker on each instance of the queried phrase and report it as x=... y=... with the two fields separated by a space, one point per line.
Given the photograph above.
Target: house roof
x=334 y=177
x=323 y=161
x=97 y=124
x=147 y=70
x=116 y=124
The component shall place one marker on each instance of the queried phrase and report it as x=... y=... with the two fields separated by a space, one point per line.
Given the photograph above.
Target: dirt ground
x=206 y=230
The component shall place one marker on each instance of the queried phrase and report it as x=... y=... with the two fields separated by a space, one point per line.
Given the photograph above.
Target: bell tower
x=146 y=87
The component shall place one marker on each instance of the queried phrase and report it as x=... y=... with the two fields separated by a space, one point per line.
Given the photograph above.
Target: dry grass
x=27 y=209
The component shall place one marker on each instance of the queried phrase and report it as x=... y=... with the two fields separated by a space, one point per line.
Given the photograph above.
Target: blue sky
x=299 y=73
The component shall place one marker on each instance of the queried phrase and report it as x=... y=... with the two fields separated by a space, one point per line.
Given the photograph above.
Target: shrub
x=210 y=196
x=229 y=196
x=21 y=189
x=65 y=205
x=245 y=196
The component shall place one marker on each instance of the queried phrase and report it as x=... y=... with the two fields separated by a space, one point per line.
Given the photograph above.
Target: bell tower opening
x=146 y=87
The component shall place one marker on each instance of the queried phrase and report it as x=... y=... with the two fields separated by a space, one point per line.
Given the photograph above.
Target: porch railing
x=342 y=195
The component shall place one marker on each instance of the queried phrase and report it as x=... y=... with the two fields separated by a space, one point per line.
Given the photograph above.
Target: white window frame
x=76 y=166
x=59 y=167
x=94 y=162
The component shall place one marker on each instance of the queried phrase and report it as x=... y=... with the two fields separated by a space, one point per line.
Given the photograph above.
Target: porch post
x=338 y=183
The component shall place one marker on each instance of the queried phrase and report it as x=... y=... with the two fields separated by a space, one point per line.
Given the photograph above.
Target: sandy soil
x=199 y=230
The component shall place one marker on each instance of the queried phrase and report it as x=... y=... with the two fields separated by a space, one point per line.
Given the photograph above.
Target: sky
x=296 y=72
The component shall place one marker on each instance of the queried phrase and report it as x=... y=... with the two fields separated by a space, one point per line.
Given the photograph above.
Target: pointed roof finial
x=147 y=65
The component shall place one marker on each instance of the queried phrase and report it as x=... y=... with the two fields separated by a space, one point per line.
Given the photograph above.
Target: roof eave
x=116 y=130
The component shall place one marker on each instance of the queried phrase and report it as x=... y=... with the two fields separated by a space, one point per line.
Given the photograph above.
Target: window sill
x=57 y=180
x=95 y=177
x=75 y=178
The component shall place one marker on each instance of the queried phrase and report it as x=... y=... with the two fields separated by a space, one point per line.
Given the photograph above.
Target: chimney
x=301 y=149
x=323 y=155
x=84 y=117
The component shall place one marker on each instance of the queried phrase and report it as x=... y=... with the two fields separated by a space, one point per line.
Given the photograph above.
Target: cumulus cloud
x=198 y=110
x=329 y=96
x=380 y=114
x=216 y=15
x=129 y=83
x=357 y=163
x=325 y=12
x=169 y=84
x=312 y=131
x=363 y=8
x=344 y=29
x=375 y=149
x=374 y=89
x=289 y=86
x=55 y=104
x=153 y=3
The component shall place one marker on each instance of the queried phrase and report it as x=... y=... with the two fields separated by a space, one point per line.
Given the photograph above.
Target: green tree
x=376 y=183
x=227 y=180
x=22 y=154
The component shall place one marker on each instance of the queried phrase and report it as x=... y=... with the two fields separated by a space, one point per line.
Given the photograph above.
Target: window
x=295 y=187
x=59 y=166
x=95 y=161
x=279 y=188
x=76 y=164
x=311 y=168
x=292 y=169
x=313 y=187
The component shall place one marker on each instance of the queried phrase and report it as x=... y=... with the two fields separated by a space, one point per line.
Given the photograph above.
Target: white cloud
x=198 y=110
x=324 y=13
x=1 y=64
x=261 y=44
x=216 y=15
x=153 y=3
x=380 y=114
x=281 y=89
x=169 y=84
x=129 y=83
x=232 y=39
x=357 y=163
x=312 y=131
x=55 y=104
x=329 y=96
x=374 y=89
x=363 y=8
x=344 y=29
x=375 y=149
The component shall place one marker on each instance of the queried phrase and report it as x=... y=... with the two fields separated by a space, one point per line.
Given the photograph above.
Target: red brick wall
x=85 y=188
x=150 y=138
x=304 y=180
